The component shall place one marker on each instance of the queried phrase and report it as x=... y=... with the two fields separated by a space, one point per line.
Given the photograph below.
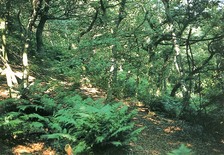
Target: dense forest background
x=166 y=55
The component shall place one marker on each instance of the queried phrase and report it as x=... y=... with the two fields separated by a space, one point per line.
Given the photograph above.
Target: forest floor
x=160 y=136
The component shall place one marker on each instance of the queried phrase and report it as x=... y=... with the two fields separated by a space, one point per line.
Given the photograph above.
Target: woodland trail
x=160 y=136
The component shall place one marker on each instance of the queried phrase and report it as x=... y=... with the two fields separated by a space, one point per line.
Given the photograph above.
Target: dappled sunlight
x=154 y=152
x=162 y=135
x=134 y=103
x=139 y=125
x=95 y=93
x=172 y=129
x=34 y=148
x=152 y=120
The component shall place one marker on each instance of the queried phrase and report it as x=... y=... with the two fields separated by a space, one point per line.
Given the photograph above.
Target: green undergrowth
x=85 y=124
x=182 y=150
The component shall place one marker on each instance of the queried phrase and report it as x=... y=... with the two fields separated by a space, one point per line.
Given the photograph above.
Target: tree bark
x=36 y=4
x=40 y=28
x=39 y=35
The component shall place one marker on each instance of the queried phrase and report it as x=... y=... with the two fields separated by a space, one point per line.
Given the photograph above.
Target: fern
x=59 y=136
x=36 y=126
x=81 y=147
x=92 y=123
x=84 y=124
x=182 y=150
x=23 y=118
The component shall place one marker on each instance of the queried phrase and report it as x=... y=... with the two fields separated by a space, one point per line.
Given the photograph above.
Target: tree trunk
x=175 y=88
x=112 y=82
x=36 y=7
x=4 y=53
x=177 y=57
x=40 y=28
x=39 y=35
x=25 y=64
x=10 y=76
x=113 y=76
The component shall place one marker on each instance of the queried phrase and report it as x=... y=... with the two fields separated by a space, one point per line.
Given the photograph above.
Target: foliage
x=87 y=124
x=67 y=119
x=182 y=150
x=22 y=118
x=28 y=116
x=172 y=107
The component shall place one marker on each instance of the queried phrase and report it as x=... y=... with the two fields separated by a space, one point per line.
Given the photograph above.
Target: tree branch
x=90 y=26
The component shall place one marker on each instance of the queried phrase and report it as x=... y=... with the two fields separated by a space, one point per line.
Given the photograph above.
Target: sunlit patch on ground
x=95 y=93
x=172 y=129
x=34 y=149
x=155 y=152
x=87 y=89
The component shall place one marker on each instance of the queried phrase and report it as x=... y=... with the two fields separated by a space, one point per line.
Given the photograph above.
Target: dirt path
x=160 y=136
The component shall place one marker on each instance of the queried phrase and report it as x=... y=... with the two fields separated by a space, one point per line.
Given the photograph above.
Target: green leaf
x=81 y=147
x=36 y=125
x=182 y=150
x=100 y=139
x=59 y=136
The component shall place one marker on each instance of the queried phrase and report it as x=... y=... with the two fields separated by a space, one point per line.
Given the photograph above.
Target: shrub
x=22 y=118
x=172 y=107
x=130 y=87
x=88 y=124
